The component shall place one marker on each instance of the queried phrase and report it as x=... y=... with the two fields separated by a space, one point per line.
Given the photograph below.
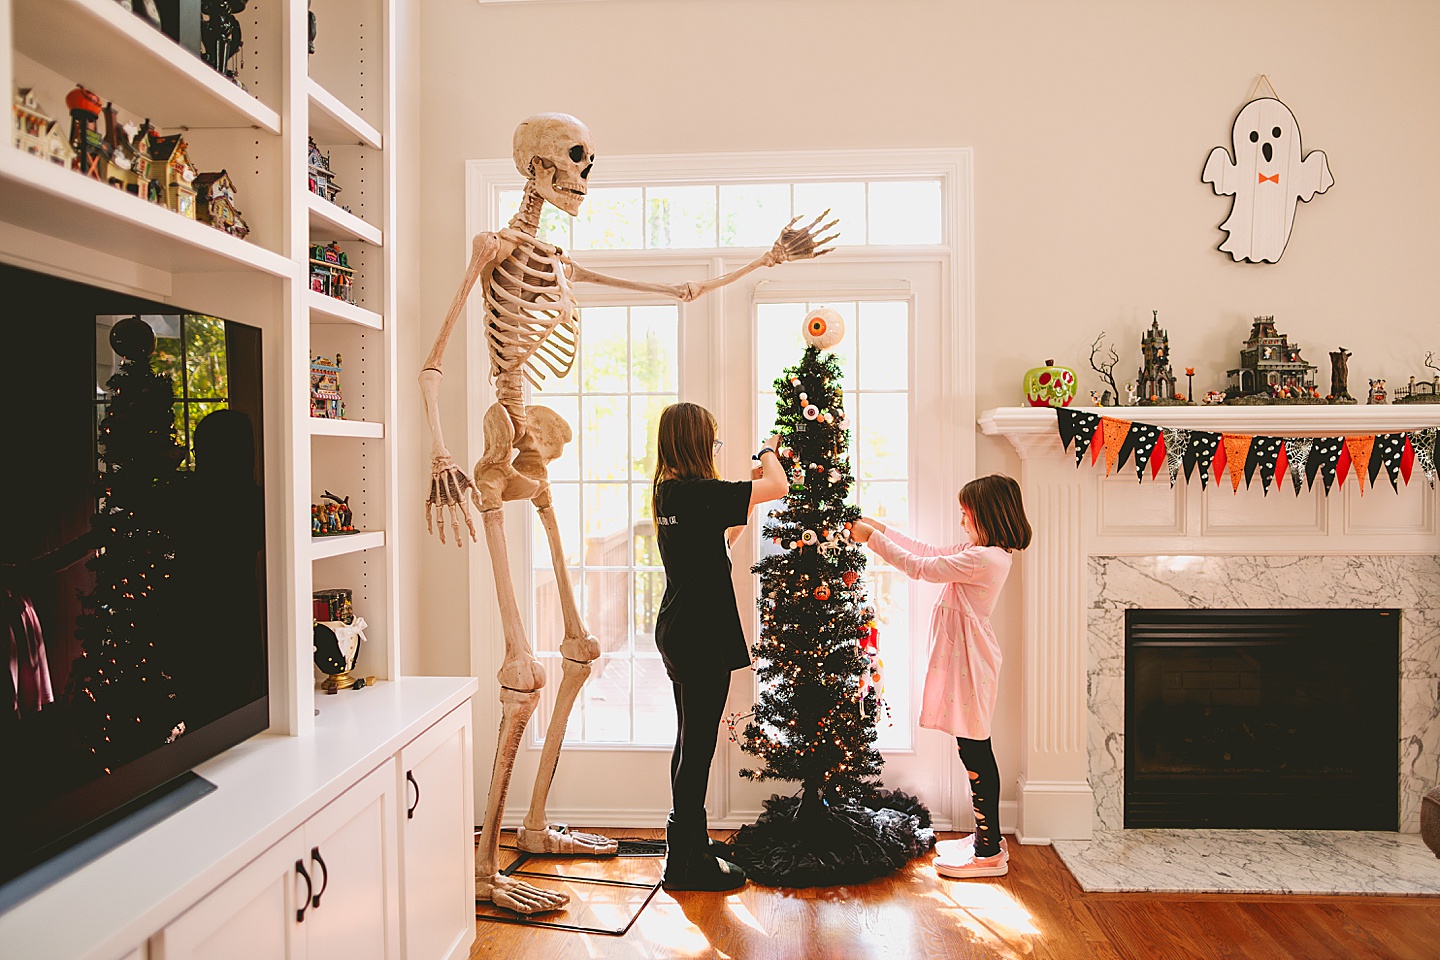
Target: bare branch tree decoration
x=1106 y=369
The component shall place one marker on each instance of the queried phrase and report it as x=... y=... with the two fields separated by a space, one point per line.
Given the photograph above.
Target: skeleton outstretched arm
x=450 y=487
x=794 y=243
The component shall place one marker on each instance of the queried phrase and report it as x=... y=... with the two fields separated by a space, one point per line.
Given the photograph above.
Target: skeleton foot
x=557 y=838
x=518 y=895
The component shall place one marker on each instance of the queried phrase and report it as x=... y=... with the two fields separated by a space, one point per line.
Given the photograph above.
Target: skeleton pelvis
x=512 y=469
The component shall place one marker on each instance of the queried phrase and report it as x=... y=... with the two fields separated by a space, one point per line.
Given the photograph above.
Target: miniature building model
x=170 y=166
x=330 y=272
x=1157 y=380
x=1271 y=365
x=36 y=133
x=215 y=193
x=325 y=399
x=322 y=180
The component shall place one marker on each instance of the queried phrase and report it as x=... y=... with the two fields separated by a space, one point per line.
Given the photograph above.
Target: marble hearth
x=1103 y=544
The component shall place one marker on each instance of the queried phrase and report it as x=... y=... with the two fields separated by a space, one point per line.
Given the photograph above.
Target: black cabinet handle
x=410 y=811
x=309 y=889
x=324 y=875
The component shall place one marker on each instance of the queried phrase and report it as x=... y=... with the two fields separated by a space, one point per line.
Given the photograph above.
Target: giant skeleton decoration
x=531 y=325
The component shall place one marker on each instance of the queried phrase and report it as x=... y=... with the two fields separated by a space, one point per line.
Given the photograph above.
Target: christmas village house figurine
x=127 y=145
x=322 y=180
x=36 y=133
x=1271 y=369
x=170 y=166
x=215 y=194
x=325 y=399
x=330 y=272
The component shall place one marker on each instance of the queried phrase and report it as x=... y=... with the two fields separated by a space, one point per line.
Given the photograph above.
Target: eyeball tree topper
x=1269 y=175
x=824 y=328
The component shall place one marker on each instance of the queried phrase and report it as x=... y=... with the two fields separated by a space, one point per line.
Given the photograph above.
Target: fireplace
x=1262 y=718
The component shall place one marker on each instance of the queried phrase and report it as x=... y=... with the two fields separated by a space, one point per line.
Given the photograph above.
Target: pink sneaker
x=974 y=867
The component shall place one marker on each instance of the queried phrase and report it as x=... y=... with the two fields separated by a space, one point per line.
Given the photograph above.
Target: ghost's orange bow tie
x=1275 y=178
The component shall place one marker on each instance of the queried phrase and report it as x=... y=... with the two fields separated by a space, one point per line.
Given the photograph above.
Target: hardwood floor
x=1037 y=911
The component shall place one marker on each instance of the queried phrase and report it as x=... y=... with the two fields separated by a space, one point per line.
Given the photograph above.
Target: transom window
x=710 y=216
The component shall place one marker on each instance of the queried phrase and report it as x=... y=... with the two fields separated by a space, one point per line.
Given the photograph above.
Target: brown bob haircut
x=684 y=447
x=997 y=512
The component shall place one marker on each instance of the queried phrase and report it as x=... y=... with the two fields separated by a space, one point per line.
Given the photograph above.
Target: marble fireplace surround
x=1103 y=544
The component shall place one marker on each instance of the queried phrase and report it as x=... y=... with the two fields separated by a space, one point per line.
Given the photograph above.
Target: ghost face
x=1266 y=136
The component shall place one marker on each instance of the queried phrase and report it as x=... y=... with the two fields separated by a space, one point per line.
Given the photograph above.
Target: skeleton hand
x=801 y=243
x=450 y=489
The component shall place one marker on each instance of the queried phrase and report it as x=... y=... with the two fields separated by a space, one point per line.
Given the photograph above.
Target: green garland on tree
x=815 y=722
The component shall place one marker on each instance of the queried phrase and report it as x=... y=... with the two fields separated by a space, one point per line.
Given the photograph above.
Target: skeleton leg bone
x=521 y=679
x=545 y=441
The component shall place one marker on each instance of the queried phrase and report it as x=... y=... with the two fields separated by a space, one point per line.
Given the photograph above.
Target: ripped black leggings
x=979 y=762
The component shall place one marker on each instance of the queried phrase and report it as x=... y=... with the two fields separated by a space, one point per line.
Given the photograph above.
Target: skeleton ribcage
x=532 y=316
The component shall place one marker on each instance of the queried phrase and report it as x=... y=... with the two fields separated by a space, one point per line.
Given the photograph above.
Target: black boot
x=689 y=864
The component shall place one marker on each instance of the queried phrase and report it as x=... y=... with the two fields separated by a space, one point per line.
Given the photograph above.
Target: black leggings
x=699 y=705
x=979 y=761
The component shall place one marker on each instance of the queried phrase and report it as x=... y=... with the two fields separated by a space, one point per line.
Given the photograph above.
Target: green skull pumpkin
x=1050 y=386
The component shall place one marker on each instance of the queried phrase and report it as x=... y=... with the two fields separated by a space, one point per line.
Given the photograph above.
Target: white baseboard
x=642 y=817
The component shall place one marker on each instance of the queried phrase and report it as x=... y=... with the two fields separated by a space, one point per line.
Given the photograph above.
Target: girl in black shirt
x=697 y=630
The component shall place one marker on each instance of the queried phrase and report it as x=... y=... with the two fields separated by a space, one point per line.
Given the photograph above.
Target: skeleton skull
x=555 y=150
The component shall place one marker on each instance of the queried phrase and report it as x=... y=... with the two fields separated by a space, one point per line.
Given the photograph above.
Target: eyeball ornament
x=824 y=328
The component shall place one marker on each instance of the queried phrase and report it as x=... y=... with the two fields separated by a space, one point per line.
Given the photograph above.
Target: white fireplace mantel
x=1077 y=513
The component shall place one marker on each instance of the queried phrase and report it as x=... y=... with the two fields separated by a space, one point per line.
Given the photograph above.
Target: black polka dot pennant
x=1264 y=452
x=1077 y=426
x=1143 y=437
x=1201 y=451
x=1389 y=449
x=1324 y=459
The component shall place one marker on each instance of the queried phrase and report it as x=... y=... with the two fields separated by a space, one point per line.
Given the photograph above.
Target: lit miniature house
x=1157 y=380
x=325 y=399
x=215 y=193
x=322 y=180
x=36 y=133
x=170 y=165
x=1271 y=366
x=330 y=272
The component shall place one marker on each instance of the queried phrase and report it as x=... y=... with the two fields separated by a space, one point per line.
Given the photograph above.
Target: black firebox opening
x=1278 y=719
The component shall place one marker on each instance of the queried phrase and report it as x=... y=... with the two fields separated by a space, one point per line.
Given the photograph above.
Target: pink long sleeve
x=964 y=565
x=920 y=547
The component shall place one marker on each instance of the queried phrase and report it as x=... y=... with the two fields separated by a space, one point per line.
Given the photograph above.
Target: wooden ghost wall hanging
x=1269 y=175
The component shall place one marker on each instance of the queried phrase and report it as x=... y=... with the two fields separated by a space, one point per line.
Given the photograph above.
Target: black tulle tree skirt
x=827 y=845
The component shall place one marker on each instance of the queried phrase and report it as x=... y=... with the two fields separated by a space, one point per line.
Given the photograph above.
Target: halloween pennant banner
x=1241 y=458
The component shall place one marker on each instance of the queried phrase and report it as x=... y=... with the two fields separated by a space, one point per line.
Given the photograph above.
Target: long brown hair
x=684 y=447
x=997 y=512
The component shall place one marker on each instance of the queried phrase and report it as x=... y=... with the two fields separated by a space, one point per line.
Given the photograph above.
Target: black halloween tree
x=122 y=697
x=815 y=722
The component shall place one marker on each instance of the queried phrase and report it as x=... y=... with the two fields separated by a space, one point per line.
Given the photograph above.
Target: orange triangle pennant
x=1115 y=433
x=1237 y=451
x=1360 y=449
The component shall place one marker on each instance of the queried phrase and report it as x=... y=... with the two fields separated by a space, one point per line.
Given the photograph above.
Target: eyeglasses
x=718 y=445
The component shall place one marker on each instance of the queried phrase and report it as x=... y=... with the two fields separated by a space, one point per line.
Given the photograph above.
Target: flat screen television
x=132 y=562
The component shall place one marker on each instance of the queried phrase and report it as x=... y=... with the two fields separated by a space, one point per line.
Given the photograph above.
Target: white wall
x=1090 y=124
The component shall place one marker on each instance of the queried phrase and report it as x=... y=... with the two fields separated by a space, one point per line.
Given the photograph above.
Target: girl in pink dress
x=964 y=672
